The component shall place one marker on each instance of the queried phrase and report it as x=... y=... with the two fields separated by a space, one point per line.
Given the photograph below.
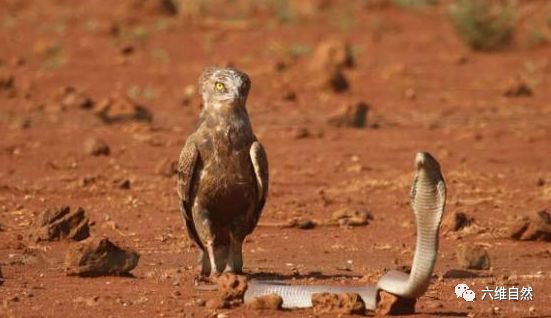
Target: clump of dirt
x=96 y=147
x=60 y=223
x=533 y=228
x=328 y=63
x=266 y=302
x=517 y=87
x=390 y=304
x=139 y=7
x=332 y=54
x=71 y=98
x=350 y=115
x=334 y=80
x=457 y=221
x=7 y=84
x=231 y=290
x=350 y=217
x=472 y=256
x=117 y=109
x=99 y=256
x=232 y=287
x=167 y=167
x=123 y=184
x=345 y=303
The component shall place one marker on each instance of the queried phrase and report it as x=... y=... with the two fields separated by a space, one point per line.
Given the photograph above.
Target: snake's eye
x=219 y=86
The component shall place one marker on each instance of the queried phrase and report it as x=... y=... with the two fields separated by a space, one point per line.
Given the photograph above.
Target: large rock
x=345 y=303
x=533 y=228
x=269 y=302
x=390 y=304
x=60 y=223
x=232 y=287
x=98 y=256
x=473 y=257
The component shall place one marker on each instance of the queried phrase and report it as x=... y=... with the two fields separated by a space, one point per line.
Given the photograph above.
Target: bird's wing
x=186 y=171
x=260 y=165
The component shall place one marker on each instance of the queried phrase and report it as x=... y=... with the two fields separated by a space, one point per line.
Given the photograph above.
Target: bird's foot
x=202 y=282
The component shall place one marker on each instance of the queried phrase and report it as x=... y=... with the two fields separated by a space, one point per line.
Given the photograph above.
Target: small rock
x=334 y=80
x=473 y=257
x=348 y=217
x=96 y=147
x=123 y=184
x=533 y=228
x=98 y=256
x=290 y=96
x=167 y=167
x=89 y=301
x=390 y=304
x=232 y=287
x=7 y=81
x=71 y=98
x=345 y=303
x=121 y=109
x=352 y=115
x=217 y=303
x=517 y=87
x=306 y=224
x=61 y=223
x=457 y=221
x=410 y=93
x=270 y=302
x=331 y=55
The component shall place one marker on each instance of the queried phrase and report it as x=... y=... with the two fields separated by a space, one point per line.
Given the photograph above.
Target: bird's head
x=223 y=87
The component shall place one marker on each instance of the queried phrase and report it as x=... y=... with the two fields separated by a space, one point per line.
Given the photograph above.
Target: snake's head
x=425 y=161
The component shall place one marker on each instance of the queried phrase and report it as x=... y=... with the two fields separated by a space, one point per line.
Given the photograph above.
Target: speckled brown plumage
x=222 y=173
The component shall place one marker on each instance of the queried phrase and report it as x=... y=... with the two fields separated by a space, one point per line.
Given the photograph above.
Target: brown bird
x=222 y=173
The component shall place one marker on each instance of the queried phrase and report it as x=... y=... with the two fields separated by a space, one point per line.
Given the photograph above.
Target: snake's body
x=428 y=199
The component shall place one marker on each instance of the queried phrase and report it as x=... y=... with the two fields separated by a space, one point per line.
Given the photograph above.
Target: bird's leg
x=235 y=259
x=205 y=263
x=210 y=250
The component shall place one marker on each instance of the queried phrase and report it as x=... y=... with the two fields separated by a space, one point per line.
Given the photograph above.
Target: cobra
x=428 y=200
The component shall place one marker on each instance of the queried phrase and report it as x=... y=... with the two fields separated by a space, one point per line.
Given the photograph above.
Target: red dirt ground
x=495 y=151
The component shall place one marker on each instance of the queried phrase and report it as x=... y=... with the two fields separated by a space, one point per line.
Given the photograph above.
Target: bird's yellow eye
x=219 y=86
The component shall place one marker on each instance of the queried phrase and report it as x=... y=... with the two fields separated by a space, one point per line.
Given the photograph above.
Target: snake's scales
x=428 y=199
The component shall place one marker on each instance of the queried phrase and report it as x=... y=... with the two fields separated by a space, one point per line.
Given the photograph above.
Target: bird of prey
x=222 y=173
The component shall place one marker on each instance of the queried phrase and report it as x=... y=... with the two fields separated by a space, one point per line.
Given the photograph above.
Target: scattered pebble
x=350 y=217
x=331 y=55
x=351 y=115
x=534 y=228
x=473 y=257
x=345 y=303
x=393 y=305
x=167 y=167
x=306 y=224
x=457 y=221
x=217 y=303
x=96 y=147
x=124 y=184
x=122 y=109
x=71 y=98
x=517 y=87
x=60 y=223
x=99 y=256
